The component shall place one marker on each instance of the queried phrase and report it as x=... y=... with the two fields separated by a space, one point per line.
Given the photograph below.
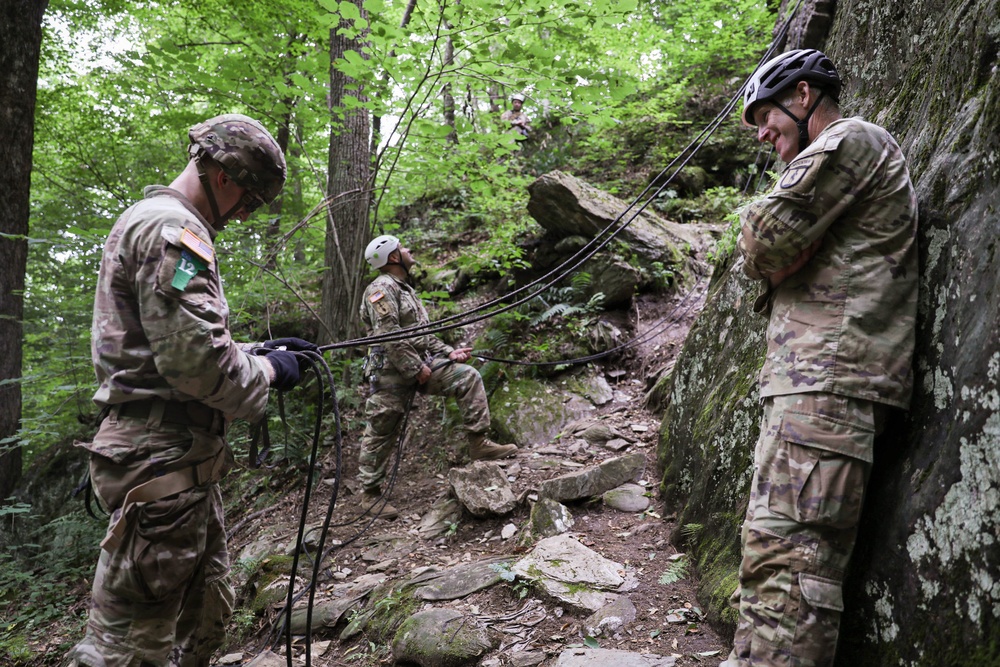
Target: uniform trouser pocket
x=812 y=465
x=163 y=546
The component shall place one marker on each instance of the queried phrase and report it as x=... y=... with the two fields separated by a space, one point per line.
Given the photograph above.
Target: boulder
x=527 y=412
x=614 y=278
x=627 y=498
x=591 y=386
x=567 y=206
x=440 y=638
x=610 y=618
x=548 y=518
x=596 y=432
x=445 y=513
x=594 y=480
x=459 y=581
x=573 y=573
x=483 y=489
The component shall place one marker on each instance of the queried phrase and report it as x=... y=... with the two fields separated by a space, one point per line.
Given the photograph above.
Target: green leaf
x=349 y=10
x=590 y=642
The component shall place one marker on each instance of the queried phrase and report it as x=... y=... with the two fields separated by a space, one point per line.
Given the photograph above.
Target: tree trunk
x=21 y=24
x=349 y=193
x=447 y=98
x=273 y=230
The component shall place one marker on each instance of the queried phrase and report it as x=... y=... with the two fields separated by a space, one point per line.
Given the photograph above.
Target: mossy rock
x=528 y=412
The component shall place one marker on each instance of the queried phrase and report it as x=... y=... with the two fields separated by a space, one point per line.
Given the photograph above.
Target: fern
x=690 y=530
x=560 y=309
x=676 y=571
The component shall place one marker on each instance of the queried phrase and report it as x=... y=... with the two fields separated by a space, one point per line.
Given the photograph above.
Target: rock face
x=924 y=589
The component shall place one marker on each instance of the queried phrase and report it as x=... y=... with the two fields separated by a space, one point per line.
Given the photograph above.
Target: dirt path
x=667 y=615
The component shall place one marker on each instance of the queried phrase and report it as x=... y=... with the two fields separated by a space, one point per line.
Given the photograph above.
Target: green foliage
x=676 y=571
x=37 y=579
x=521 y=587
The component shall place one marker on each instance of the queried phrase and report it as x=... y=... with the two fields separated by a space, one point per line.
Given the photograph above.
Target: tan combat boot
x=370 y=500
x=482 y=448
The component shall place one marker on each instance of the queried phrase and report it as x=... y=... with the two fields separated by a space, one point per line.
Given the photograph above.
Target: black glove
x=291 y=344
x=286 y=369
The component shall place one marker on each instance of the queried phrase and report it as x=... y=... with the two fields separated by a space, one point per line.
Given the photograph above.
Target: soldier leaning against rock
x=834 y=245
x=400 y=368
x=171 y=378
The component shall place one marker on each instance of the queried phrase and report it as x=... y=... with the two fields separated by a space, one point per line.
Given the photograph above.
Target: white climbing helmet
x=378 y=251
x=517 y=96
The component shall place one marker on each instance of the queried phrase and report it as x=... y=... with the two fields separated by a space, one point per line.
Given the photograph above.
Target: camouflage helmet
x=245 y=150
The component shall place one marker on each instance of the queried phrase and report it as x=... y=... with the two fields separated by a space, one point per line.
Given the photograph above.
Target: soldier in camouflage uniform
x=834 y=246
x=518 y=119
x=400 y=368
x=171 y=378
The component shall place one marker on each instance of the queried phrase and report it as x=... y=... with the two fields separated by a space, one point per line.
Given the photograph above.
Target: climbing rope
x=325 y=377
x=595 y=245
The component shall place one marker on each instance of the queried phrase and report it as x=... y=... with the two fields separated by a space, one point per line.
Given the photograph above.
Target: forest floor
x=668 y=619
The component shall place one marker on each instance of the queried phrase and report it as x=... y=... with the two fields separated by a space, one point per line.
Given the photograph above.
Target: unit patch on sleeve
x=188 y=266
x=192 y=242
x=795 y=173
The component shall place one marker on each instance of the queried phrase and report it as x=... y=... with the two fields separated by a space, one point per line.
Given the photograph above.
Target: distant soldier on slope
x=517 y=118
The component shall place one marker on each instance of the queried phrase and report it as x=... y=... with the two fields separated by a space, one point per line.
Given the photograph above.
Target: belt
x=171 y=483
x=189 y=413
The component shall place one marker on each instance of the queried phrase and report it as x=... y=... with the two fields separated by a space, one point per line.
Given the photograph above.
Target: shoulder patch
x=375 y=296
x=794 y=174
x=193 y=242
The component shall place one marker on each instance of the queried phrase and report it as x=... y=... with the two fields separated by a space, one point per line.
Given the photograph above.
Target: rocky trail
x=561 y=555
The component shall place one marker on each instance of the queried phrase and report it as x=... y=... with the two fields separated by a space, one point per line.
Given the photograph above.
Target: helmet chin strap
x=802 y=124
x=218 y=221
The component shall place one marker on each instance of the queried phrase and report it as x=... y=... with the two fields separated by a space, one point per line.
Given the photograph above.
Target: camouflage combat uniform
x=390 y=304
x=170 y=374
x=518 y=120
x=839 y=348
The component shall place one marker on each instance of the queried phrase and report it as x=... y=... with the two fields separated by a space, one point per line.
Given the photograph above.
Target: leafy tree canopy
x=121 y=82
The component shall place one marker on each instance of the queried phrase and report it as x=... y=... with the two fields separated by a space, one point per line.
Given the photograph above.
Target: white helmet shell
x=517 y=96
x=378 y=251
